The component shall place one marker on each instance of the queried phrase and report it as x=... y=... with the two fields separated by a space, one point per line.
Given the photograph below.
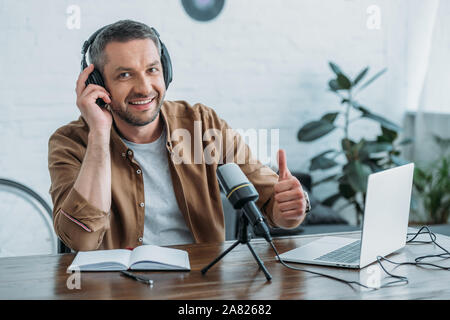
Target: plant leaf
x=329 y=201
x=334 y=85
x=381 y=120
x=314 y=130
x=406 y=141
x=330 y=117
x=322 y=162
x=398 y=161
x=443 y=143
x=372 y=79
x=373 y=165
x=387 y=135
x=371 y=147
x=335 y=68
x=327 y=179
x=346 y=190
x=359 y=107
x=357 y=174
x=343 y=81
x=360 y=76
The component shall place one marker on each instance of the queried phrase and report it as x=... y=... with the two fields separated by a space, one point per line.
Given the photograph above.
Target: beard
x=130 y=118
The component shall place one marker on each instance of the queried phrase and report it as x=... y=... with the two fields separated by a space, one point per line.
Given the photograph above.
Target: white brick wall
x=260 y=64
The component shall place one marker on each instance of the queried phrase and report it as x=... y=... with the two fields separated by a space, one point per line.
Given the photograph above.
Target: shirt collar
x=117 y=141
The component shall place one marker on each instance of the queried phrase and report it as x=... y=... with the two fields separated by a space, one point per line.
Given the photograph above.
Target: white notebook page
x=101 y=258
x=159 y=254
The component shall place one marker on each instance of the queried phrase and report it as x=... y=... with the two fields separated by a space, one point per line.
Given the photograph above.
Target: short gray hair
x=120 y=31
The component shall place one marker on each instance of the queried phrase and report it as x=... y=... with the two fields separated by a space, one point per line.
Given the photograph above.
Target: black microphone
x=242 y=195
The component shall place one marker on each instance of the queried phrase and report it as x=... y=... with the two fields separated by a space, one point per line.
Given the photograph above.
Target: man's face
x=134 y=78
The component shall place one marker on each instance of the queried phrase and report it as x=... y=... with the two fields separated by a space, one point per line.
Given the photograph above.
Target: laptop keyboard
x=347 y=254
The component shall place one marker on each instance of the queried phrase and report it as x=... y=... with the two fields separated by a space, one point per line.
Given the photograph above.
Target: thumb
x=284 y=172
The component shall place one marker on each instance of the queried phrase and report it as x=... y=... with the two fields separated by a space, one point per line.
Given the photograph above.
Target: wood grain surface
x=236 y=276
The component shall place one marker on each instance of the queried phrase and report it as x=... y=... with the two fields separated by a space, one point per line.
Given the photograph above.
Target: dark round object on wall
x=203 y=10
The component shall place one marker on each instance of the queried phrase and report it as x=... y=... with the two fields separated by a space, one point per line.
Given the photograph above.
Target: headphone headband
x=91 y=39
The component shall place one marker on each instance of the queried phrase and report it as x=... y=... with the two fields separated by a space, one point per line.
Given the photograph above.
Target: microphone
x=242 y=195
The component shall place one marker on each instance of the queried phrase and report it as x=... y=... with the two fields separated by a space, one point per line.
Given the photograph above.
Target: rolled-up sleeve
x=77 y=223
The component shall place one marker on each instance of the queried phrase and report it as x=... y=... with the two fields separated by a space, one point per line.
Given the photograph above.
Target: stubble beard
x=131 y=119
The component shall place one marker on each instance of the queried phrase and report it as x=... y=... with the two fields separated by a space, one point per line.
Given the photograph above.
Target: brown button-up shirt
x=190 y=130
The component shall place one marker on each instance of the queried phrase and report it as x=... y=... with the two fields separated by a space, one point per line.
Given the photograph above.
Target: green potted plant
x=356 y=159
x=432 y=183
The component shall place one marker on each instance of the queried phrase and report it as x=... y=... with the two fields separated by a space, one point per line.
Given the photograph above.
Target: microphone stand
x=244 y=237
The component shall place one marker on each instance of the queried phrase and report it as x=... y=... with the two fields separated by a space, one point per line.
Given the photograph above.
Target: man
x=116 y=180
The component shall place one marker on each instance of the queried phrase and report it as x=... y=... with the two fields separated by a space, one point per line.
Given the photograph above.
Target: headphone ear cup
x=95 y=78
x=166 y=64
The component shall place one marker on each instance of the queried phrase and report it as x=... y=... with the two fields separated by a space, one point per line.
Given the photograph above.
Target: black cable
x=417 y=261
x=445 y=255
x=318 y=273
x=401 y=279
x=417 y=264
x=431 y=234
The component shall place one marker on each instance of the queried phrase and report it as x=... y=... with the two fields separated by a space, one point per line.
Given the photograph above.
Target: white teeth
x=142 y=102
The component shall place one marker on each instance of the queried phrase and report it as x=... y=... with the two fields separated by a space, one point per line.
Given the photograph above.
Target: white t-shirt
x=164 y=223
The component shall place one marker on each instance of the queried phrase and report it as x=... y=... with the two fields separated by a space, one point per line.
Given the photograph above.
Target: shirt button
x=138 y=171
x=140 y=239
x=123 y=154
x=130 y=152
x=142 y=204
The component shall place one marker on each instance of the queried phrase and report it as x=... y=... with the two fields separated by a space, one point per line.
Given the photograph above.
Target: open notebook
x=146 y=257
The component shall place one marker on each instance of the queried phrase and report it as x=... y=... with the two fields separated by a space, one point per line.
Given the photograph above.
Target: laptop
x=384 y=231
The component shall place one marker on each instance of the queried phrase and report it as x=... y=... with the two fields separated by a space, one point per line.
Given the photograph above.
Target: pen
x=138 y=277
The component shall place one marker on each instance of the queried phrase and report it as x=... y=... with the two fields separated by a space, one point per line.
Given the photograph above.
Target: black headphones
x=96 y=77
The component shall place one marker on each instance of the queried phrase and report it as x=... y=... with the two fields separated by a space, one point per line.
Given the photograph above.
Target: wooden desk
x=235 y=277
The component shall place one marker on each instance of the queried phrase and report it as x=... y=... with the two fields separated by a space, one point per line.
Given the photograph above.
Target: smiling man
x=115 y=183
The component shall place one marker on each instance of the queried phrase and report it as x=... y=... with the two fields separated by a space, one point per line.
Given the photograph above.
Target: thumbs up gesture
x=290 y=204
